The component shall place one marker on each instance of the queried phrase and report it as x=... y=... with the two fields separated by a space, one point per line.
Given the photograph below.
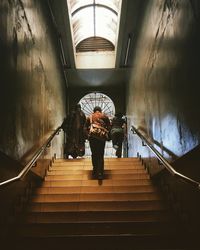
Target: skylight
x=96 y=21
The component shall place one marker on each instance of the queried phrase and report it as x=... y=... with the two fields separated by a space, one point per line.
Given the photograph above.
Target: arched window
x=89 y=101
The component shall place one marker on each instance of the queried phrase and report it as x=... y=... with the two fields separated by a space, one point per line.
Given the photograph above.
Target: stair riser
x=95 y=183
x=88 y=172
x=89 y=177
x=95 y=197
x=95 y=228
x=106 y=242
x=108 y=216
x=96 y=206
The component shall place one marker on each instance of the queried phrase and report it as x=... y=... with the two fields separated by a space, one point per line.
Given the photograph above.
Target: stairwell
x=71 y=210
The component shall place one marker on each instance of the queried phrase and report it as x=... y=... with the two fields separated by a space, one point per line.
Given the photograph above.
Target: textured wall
x=163 y=92
x=32 y=96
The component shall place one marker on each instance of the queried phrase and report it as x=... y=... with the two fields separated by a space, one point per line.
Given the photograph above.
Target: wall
x=95 y=60
x=107 y=81
x=32 y=96
x=163 y=91
x=116 y=94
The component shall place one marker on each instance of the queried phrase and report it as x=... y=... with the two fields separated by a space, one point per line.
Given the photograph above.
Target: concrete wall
x=163 y=91
x=32 y=86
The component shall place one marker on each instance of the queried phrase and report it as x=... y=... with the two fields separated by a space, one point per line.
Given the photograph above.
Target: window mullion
x=94 y=12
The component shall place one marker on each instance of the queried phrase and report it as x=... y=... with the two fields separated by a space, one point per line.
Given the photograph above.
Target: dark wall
x=116 y=94
x=163 y=91
x=32 y=96
x=110 y=82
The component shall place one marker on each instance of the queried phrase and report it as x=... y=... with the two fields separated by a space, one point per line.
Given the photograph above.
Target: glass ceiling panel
x=94 y=18
x=113 y=4
x=76 y=4
x=83 y=24
x=107 y=27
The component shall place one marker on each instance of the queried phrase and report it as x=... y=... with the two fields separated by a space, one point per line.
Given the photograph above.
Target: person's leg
x=119 y=150
x=74 y=154
x=100 y=166
x=114 y=140
x=119 y=139
x=94 y=155
x=97 y=149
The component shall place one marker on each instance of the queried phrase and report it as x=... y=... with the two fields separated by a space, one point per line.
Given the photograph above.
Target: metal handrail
x=165 y=162
x=29 y=165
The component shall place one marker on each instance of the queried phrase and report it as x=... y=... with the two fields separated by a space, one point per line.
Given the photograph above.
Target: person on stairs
x=117 y=133
x=97 y=145
x=73 y=127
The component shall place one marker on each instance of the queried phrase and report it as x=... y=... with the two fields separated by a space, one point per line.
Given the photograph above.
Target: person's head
x=97 y=108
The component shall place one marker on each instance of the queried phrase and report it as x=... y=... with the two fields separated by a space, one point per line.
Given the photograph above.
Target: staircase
x=71 y=210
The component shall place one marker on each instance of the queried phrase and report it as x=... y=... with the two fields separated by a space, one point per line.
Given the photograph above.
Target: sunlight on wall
x=92 y=60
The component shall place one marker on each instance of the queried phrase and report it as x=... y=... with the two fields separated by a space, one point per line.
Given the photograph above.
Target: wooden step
x=92 y=183
x=95 y=228
x=57 y=171
x=107 y=242
x=135 y=176
x=113 y=242
x=97 y=206
x=103 y=216
x=43 y=198
x=89 y=168
x=108 y=162
x=89 y=164
x=95 y=189
x=86 y=160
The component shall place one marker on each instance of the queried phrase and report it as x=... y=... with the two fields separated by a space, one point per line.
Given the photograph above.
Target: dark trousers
x=117 y=139
x=97 y=148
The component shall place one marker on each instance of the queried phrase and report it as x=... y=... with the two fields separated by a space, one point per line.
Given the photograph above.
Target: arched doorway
x=88 y=102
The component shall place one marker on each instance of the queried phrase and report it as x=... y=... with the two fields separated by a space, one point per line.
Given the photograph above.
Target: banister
x=165 y=162
x=29 y=165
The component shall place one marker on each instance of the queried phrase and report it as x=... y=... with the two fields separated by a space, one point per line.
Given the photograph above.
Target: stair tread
x=108 y=216
x=109 y=242
x=107 y=168
x=97 y=205
x=106 y=182
x=95 y=189
x=81 y=160
x=96 y=228
x=95 y=197
x=112 y=172
x=88 y=177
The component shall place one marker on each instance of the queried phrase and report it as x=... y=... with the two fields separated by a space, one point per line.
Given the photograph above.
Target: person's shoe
x=118 y=154
x=100 y=176
x=94 y=174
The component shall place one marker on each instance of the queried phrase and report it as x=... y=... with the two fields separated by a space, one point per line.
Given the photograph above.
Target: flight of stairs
x=71 y=210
